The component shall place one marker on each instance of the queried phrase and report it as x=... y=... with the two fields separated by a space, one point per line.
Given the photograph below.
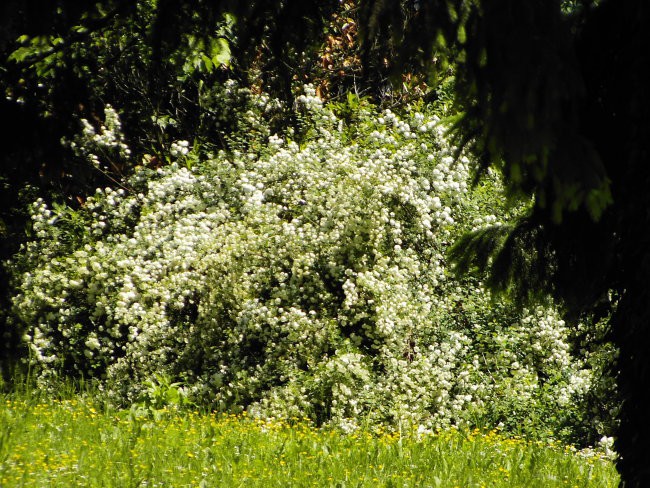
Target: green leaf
x=221 y=54
x=462 y=35
x=20 y=54
x=207 y=62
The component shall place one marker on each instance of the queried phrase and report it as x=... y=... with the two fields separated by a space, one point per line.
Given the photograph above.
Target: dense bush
x=305 y=277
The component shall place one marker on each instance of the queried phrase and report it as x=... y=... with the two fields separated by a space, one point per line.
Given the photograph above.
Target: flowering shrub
x=304 y=278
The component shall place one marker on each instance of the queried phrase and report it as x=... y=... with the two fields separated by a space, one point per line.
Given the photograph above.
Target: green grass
x=73 y=442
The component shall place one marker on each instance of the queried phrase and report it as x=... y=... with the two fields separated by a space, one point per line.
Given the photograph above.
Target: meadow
x=75 y=441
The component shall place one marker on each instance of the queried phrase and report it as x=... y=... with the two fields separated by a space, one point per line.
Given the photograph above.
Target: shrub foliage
x=303 y=274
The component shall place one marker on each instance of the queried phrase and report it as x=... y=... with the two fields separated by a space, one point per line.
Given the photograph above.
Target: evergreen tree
x=559 y=104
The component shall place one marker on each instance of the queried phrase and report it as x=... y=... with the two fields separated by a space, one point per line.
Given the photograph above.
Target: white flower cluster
x=309 y=100
x=100 y=147
x=310 y=280
x=180 y=148
x=484 y=221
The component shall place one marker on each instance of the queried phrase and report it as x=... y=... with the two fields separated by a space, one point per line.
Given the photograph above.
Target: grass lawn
x=73 y=442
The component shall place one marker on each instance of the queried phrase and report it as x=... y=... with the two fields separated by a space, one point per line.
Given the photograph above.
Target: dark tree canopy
x=553 y=94
x=561 y=106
